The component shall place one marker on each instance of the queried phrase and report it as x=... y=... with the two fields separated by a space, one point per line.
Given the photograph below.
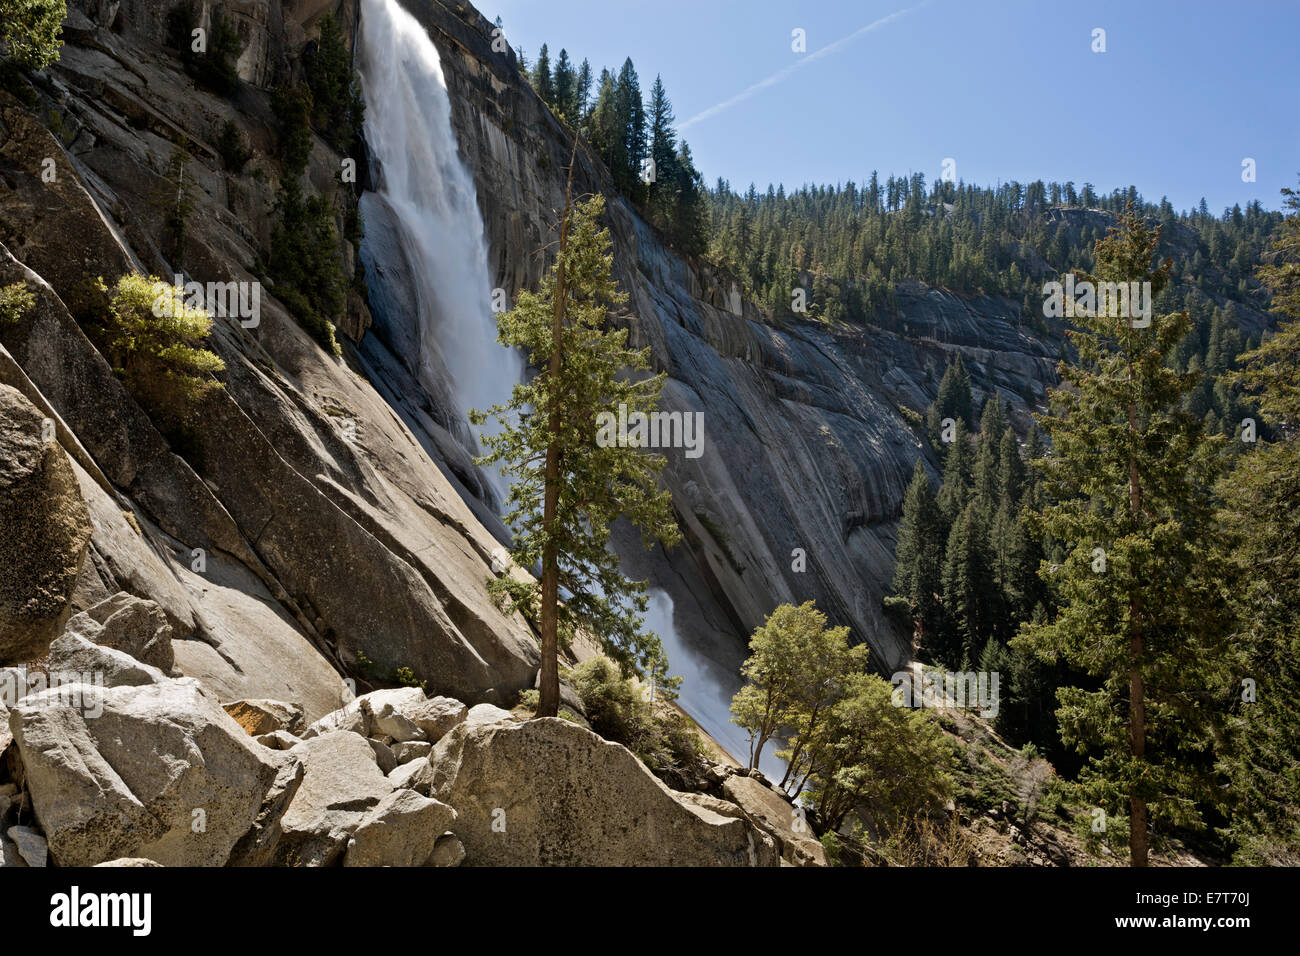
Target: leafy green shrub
x=233 y=148
x=615 y=708
x=665 y=741
x=406 y=677
x=307 y=264
x=15 y=302
x=154 y=338
x=30 y=31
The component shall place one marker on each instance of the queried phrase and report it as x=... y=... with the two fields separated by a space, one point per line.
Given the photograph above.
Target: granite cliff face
x=303 y=534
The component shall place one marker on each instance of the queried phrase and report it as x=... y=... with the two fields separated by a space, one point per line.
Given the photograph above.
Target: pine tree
x=663 y=153
x=602 y=126
x=30 y=30
x=567 y=486
x=1262 y=524
x=1011 y=470
x=967 y=588
x=690 y=223
x=630 y=142
x=955 y=491
x=582 y=93
x=566 y=99
x=1128 y=474
x=987 y=481
x=919 y=558
x=541 y=78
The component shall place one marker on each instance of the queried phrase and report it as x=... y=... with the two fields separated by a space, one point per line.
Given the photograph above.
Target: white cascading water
x=438 y=230
x=420 y=176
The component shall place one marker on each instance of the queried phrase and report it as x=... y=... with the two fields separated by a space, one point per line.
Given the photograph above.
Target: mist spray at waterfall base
x=423 y=214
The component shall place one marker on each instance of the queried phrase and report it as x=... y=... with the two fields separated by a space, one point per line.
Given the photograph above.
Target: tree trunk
x=1137 y=835
x=548 y=693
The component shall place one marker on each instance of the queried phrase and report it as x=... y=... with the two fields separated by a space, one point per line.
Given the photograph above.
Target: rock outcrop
x=44 y=531
x=550 y=793
x=157 y=770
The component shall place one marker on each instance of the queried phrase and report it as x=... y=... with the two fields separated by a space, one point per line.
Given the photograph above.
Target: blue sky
x=1009 y=89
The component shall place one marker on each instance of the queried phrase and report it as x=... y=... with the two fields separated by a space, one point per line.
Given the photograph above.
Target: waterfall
x=432 y=220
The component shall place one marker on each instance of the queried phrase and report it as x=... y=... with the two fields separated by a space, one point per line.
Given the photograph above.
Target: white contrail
x=780 y=75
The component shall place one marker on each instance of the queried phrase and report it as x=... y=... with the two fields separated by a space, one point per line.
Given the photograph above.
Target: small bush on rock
x=154 y=340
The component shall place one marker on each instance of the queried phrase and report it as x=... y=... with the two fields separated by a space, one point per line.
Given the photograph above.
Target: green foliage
x=215 y=65
x=307 y=263
x=233 y=148
x=1128 y=473
x=30 y=31
x=919 y=559
x=154 y=339
x=406 y=677
x=1261 y=527
x=623 y=132
x=791 y=671
x=337 y=108
x=665 y=741
x=557 y=412
x=893 y=762
x=16 y=300
x=848 y=747
x=862 y=241
x=293 y=106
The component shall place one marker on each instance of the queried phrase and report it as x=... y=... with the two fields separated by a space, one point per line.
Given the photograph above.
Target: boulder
x=157 y=770
x=9 y=855
x=436 y=716
x=44 y=531
x=486 y=714
x=416 y=775
x=279 y=740
x=550 y=793
x=410 y=750
x=402 y=830
x=776 y=816
x=342 y=784
x=131 y=625
x=258 y=846
x=387 y=710
x=377 y=714
x=384 y=756
x=349 y=718
x=448 y=851
x=260 y=717
x=31 y=845
x=73 y=659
